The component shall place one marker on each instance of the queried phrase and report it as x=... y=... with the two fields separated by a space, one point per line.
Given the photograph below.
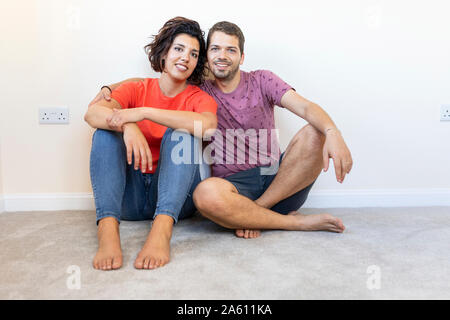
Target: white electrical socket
x=56 y=115
x=445 y=112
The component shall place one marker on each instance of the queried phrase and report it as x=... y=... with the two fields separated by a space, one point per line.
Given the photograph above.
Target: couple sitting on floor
x=144 y=159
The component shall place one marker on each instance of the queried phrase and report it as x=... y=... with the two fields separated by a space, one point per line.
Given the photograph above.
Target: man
x=243 y=194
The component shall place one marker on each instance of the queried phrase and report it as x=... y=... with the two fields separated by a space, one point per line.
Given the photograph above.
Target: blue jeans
x=124 y=193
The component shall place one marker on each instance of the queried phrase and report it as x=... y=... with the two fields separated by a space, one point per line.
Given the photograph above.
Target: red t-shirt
x=147 y=93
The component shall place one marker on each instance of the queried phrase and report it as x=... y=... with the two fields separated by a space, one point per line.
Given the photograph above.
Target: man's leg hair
x=301 y=165
x=218 y=199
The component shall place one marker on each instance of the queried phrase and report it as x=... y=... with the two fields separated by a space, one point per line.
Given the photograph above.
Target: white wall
x=2 y=200
x=381 y=69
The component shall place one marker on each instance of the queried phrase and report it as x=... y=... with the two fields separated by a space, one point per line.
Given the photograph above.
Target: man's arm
x=114 y=86
x=102 y=114
x=334 y=146
x=307 y=110
x=105 y=93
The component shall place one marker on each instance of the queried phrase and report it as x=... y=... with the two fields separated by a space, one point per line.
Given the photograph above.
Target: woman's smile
x=182 y=57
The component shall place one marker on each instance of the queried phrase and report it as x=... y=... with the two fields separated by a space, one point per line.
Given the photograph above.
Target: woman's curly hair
x=163 y=40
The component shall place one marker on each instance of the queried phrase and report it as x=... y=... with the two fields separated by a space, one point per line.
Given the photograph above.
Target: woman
x=134 y=130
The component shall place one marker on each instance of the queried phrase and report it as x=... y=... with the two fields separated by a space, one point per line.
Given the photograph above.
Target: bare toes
x=139 y=263
x=117 y=263
x=338 y=223
x=147 y=262
x=109 y=264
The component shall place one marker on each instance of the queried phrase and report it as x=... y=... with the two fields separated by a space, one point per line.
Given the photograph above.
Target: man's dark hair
x=163 y=40
x=230 y=29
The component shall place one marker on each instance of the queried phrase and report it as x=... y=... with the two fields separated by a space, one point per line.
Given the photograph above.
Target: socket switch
x=56 y=115
x=445 y=112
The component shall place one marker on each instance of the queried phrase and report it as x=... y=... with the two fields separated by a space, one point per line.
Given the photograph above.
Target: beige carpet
x=388 y=253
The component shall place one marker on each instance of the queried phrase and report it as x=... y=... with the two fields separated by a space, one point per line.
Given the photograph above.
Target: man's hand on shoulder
x=105 y=93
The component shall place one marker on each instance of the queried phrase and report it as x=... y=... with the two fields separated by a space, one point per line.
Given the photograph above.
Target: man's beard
x=223 y=75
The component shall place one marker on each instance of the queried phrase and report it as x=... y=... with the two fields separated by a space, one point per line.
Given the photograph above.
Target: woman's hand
x=122 y=116
x=137 y=145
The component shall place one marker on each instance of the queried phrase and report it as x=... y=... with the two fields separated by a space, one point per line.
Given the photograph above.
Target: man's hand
x=103 y=94
x=137 y=145
x=105 y=91
x=336 y=148
x=122 y=116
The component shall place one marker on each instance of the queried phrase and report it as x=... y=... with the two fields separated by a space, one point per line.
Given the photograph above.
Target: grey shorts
x=254 y=182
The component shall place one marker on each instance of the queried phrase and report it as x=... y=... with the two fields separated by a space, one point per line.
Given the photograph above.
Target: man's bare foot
x=247 y=234
x=317 y=222
x=109 y=254
x=156 y=251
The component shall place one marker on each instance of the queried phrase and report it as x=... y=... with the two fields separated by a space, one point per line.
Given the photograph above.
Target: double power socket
x=445 y=112
x=56 y=115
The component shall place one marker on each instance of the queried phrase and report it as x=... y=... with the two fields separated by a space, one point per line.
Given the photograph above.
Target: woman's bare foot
x=109 y=254
x=247 y=234
x=317 y=222
x=156 y=251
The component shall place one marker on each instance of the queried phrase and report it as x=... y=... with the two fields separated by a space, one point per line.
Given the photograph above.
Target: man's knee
x=311 y=137
x=208 y=195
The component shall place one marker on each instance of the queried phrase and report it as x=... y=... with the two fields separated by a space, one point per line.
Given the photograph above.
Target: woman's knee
x=107 y=139
x=182 y=146
x=175 y=135
x=107 y=145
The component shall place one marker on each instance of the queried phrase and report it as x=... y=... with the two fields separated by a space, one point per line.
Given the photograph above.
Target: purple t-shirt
x=245 y=135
